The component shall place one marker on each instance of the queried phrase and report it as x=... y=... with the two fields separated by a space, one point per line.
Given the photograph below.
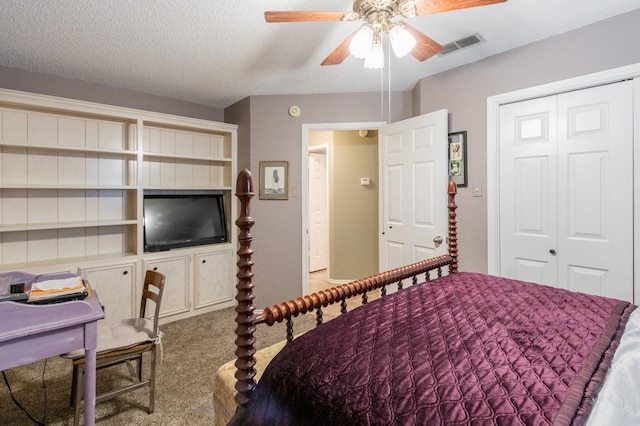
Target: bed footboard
x=246 y=319
x=339 y=294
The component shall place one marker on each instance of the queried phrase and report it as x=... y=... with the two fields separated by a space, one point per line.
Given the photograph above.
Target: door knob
x=437 y=240
x=552 y=251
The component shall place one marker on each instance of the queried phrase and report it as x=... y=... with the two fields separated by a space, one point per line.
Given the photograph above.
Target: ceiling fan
x=379 y=17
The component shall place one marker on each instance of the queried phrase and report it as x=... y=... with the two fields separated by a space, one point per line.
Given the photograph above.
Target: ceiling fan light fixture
x=375 y=58
x=362 y=42
x=402 y=42
x=379 y=17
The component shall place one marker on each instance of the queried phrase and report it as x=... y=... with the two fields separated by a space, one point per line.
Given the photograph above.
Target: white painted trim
x=304 y=187
x=493 y=130
x=319 y=148
x=636 y=190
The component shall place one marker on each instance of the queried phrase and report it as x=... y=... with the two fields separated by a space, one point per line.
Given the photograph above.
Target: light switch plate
x=477 y=189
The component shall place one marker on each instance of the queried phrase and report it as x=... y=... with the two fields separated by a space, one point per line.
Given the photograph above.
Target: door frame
x=493 y=158
x=306 y=128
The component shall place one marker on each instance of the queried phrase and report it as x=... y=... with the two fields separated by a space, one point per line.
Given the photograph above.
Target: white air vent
x=461 y=44
x=448 y=48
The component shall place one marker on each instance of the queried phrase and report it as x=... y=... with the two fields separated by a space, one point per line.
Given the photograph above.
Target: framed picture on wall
x=458 y=158
x=274 y=180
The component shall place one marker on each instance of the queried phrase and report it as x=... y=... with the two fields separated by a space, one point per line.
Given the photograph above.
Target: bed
x=448 y=347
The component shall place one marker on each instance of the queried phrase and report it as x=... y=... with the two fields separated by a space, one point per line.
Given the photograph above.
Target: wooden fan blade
x=305 y=16
x=429 y=7
x=426 y=47
x=340 y=53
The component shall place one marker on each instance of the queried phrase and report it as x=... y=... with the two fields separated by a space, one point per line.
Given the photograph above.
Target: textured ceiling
x=217 y=52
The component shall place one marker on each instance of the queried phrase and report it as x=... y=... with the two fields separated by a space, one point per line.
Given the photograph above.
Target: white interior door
x=566 y=190
x=318 y=212
x=595 y=190
x=528 y=190
x=414 y=198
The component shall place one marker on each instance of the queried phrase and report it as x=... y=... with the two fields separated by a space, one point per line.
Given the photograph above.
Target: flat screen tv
x=172 y=221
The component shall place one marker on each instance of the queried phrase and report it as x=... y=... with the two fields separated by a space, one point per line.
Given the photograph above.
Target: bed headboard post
x=245 y=362
x=452 y=190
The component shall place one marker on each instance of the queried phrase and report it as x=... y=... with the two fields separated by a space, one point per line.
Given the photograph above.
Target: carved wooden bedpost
x=453 y=227
x=245 y=351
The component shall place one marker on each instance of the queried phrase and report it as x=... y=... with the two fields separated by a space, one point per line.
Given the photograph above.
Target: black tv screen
x=172 y=221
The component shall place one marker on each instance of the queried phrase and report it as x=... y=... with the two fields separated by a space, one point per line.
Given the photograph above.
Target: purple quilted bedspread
x=464 y=349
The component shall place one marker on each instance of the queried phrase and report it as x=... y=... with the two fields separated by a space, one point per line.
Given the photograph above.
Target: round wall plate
x=294 y=111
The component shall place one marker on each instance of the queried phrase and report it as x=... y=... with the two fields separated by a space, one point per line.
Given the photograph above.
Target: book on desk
x=43 y=288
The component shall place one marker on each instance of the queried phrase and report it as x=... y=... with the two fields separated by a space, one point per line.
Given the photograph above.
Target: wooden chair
x=124 y=341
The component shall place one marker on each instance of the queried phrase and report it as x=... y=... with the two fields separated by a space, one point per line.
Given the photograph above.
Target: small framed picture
x=458 y=158
x=274 y=180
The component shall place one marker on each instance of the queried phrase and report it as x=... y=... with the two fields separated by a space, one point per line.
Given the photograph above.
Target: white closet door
x=566 y=203
x=595 y=189
x=528 y=191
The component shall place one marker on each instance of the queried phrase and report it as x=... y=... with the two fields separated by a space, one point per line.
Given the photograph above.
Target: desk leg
x=90 y=342
x=90 y=387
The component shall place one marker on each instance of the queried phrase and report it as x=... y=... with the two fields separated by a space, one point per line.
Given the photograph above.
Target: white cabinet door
x=116 y=288
x=213 y=278
x=175 y=299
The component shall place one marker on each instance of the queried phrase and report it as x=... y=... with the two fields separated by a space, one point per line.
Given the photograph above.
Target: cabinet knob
x=553 y=252
x=125 y=272
x=204 y=260
x=155 y=268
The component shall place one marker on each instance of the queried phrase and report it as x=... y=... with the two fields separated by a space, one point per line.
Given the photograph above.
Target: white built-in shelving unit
x=73 y=176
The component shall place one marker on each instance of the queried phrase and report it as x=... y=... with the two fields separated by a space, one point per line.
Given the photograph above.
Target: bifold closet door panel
x=528 y=190
x=595 y=190
x=566 y=193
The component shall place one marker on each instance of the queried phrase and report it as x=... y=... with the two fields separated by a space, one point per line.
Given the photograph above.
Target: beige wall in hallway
x=353 y=218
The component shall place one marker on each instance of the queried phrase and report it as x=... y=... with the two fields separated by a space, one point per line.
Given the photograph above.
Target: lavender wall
x=15 y=79
x=240 y=114
x=274 y=135
x=464 y=91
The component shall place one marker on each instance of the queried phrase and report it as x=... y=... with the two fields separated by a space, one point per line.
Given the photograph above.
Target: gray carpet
x=193 y=349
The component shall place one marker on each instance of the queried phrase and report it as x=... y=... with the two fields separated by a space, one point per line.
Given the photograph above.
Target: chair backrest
x=152 y=290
